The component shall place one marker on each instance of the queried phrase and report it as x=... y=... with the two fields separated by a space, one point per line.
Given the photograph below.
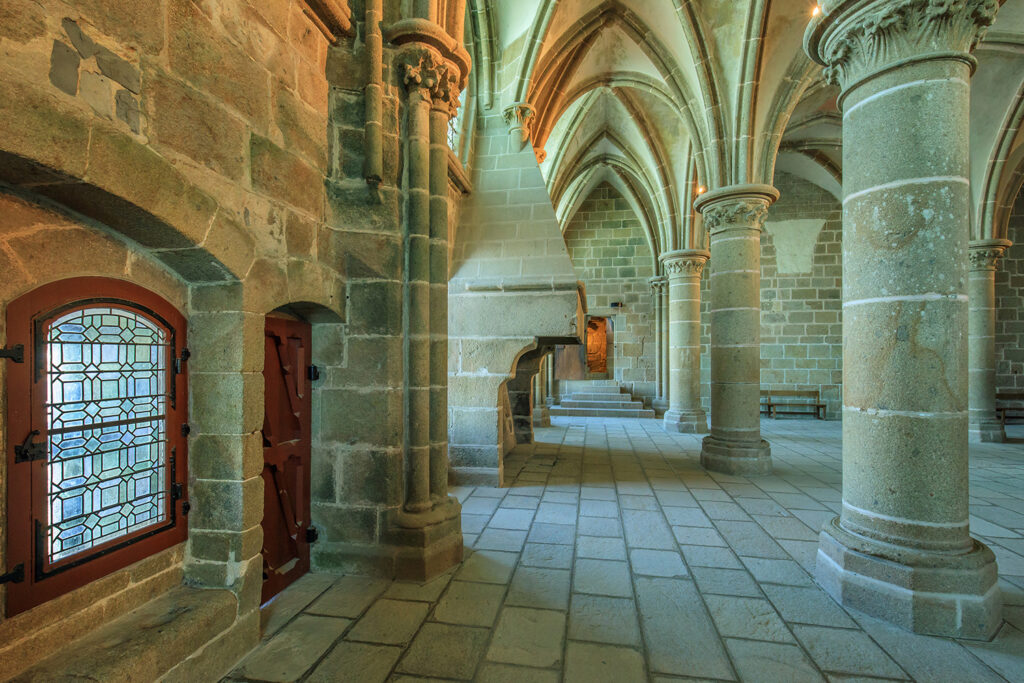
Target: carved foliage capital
x=986 y=255
x=893 y=30
x=658 y=284
x=686 y=264
x=519 y=116
x=433 y=76
x=749 y=212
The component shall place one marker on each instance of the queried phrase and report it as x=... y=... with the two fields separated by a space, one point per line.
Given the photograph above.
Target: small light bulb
x=701 y=189
x=816 y=11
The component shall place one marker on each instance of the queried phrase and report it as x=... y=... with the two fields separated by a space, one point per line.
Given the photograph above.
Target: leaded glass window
x=106 y=373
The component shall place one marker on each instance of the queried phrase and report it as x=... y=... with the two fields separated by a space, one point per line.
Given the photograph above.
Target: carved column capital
x=985 y=254
x=658 y=283
x=425 y=71
x=685 y=263
x=519 y=118
x=743 y=206
x=854 y=39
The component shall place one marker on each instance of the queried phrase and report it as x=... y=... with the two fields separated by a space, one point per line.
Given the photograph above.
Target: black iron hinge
x=16 y=575
x=16 y=353
x=177 y=493
x=29 y=450
x=179 y=362
x=186 y=429
x=312 y=534
x=313 y=373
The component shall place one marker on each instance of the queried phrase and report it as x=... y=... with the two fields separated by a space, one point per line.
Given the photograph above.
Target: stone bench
x=1009 y=404
x=146 y=643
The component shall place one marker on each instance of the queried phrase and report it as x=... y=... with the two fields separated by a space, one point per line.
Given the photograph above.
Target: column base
x=956 y=596
x=541 y=416
x=736 y=457
x=686 y=421
x=660 y=407
x=986 y=431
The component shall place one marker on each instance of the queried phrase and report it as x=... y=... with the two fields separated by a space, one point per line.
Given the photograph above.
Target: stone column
x=541 y=412
x=549 y=384
x=666 y=384
x=658 y=285
x=901 y=549
x=684 y=268
x=983 y=425
x=734 y=217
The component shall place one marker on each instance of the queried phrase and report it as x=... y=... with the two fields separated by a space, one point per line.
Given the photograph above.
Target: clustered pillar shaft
x=901 y=548
x=666 y=386
x=658 y=285
x=734 y=216
x=440 y=114
x=984 y=425
x=684 y=269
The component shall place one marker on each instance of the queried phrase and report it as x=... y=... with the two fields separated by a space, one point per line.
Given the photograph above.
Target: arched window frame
x=29 y=448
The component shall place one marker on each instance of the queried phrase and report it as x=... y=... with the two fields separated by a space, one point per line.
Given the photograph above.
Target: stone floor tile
x=815 y=519
x=488 y=566
x=689 y=535
x=348 y=597
x=771 y=662
x=511 y=519
x=490 y=492
x=751 y=618
x=531 y=637
x=1002 y=653
x=798 y=501
x=547 y=555
x=807 y=606
x=683 y=499
x=600 y=548
x=599 y=526
x=628 y=502
x=761 y=506
x=678 y=631
x=508 y=673
x=725 y=581
x=294 y=650
x=556 y=513
x=804 y=552
x=846 y=651
x=539 y=588
x=717 y=495
x=423 y=592
x=477 y=505
x=445 y=650
x=599 y=508
x=686 y=517
x=786 y=572
x=656 y=563
x=372 y=662
x=392 y=622
x=602 y=577
x=542 y=532
x=511 y=502
x=604 y=620
x=470 y=604
x=749 y=539
x=647 y=530
x=474 y=524
x=565 y=497
x=280 y=610
x=589 y=663
x=786 y=527
x=509 y=540
x=724 y=511
x=595 y=493
x=707 y=556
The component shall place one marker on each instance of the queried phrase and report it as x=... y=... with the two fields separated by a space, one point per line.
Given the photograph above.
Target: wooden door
x=286 y=453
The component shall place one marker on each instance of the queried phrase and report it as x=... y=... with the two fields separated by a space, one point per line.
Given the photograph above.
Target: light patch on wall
x=794 y=244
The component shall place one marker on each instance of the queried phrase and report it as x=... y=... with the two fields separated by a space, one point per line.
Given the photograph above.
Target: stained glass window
x=106 y=416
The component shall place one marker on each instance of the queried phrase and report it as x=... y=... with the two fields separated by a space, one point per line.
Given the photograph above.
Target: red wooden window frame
x=26 y=481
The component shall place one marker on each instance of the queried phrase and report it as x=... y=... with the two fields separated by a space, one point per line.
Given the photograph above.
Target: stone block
x=126 y=107
x=131 y=21
x=372 y=417
x=64 y=68
x=284 y=176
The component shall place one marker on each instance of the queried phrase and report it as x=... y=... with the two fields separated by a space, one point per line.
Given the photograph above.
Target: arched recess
x=1004 y=174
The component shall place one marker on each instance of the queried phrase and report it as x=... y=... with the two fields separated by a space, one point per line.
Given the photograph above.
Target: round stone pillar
x=734 y=217
x=901 y=549
x=684 y=268
x=983 y=425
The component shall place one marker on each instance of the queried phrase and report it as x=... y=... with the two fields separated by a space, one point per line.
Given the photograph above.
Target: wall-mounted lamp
x=816 y=11
x=701 y=189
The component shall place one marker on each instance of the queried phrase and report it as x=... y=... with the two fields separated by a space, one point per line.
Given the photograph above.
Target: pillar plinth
x=659 y=292
x=734 y=217
x=901 y=548
x=983 y=425
x=683 y=269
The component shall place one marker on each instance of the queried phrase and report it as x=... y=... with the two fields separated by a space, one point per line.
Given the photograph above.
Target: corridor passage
x=613 y=557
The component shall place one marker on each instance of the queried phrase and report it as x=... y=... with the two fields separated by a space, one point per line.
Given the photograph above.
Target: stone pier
x=901 y=549
x=734 y=217
x=684 y=268
x=983 y=425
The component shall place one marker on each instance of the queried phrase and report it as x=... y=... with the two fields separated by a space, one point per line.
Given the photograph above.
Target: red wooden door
x=286 y=453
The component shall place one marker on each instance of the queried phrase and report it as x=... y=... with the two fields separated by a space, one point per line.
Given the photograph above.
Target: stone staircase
x=599 y=398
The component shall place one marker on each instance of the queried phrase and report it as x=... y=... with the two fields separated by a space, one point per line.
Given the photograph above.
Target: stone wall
x=612 y=256
x=1010 y=306
x=801 y=296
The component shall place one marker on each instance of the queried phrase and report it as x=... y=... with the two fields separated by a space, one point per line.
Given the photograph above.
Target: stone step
x=558 y=411
x=580 y=396
x=603 y=391
x=602 y=405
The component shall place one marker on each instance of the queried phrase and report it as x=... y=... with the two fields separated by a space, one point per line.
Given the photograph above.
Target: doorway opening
x=597 y=346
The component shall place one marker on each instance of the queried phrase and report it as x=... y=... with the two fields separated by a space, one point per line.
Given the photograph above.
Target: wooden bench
x=797 y=402
x=1008 y=409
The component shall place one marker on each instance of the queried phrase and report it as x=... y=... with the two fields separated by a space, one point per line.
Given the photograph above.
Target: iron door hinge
x=312 y=534
x=313 y=373
x=29 y=450
x=186 y=429
x=16 y=353
x=177 y=493
x=179 y=362
x=16 y=575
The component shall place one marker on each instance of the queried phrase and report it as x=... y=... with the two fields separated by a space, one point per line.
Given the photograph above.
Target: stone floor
x=615 y=557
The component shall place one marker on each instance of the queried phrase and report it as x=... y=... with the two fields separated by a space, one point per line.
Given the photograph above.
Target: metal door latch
x=29 y=450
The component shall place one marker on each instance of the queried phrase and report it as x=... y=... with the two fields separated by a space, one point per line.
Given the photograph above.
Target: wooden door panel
x=286 y=453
